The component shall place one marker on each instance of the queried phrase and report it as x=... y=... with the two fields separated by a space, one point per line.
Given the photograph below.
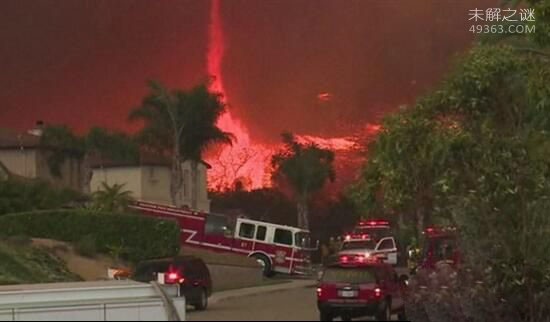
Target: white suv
x=385 y=248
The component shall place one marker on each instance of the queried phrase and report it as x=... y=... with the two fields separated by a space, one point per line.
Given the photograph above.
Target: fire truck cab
x=278 y=248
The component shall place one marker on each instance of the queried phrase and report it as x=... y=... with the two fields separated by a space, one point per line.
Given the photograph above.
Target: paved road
x=291 y=305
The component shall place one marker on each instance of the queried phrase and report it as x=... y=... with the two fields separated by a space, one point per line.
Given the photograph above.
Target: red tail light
x=174 y=277
x=319 y=292
x=377 y=292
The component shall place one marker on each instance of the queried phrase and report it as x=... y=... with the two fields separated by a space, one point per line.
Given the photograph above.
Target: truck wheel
x=326 y=316
x=265 y=263
x=202 y=304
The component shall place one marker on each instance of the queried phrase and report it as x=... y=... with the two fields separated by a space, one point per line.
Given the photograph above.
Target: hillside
x=21 y=263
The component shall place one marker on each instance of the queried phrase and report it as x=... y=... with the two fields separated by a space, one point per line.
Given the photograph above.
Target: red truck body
x=283 y=249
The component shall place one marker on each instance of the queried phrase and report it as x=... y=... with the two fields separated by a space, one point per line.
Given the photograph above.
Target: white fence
x=90 y=301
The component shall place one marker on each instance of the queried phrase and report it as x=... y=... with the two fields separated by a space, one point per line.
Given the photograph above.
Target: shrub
x=29 y=195
x=19 y=240
x=140 y=237
x=28 y=265
x=87 y=246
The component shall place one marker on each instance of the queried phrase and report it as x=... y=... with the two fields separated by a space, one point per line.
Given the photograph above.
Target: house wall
x=33 y=164
x=129 y=176
x=21 y=162
x=152 y=183
x=203 y=203
x=155 y=182
x=71 y=171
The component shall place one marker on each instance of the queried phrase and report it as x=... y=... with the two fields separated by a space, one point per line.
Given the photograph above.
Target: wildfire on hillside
x=249 y=162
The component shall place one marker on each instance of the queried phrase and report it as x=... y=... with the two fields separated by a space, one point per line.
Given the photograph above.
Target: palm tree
x=306 y=168
x=181 y=124
x=64 y=144
x=111 y=198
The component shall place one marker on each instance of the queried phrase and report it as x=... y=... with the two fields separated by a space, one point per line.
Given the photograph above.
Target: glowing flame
x=246 y=161
x=334 y=144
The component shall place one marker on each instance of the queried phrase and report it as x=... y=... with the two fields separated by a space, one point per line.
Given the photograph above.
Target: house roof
x=10 y=139
x=97 y=161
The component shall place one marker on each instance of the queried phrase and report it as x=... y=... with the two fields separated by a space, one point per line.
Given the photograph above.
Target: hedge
x=133 y=237
x=25 y=195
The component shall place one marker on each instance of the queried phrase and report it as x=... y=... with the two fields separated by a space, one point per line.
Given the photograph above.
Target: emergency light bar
x=358 y=259
x=438 y=230
x=357 y=237
x=375 y=222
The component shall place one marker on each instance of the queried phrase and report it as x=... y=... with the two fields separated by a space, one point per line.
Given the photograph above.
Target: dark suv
x=191 y=273
x=355 y=286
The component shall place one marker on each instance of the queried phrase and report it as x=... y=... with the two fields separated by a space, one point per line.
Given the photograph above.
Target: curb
x=259 y=290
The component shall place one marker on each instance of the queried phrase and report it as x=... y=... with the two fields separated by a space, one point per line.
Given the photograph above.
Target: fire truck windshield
x=361 y=244
x=303 y=240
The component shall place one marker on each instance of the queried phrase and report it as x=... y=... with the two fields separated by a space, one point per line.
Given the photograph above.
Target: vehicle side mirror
x=319 y=276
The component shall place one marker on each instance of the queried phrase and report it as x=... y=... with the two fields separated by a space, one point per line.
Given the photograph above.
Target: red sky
x=85 y=62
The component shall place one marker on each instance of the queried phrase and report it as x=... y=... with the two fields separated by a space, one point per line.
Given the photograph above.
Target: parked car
x=385 y=248
x=190 y=272
x=356 y=286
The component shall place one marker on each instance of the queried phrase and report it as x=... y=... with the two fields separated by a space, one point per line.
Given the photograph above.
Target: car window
x=193 y=269
x=363 y=244
x=203 y=270
x=261 y=233
x=283 y=236
x=247 y=230
x=146 y=272
x=386 y=244
x=349 y=275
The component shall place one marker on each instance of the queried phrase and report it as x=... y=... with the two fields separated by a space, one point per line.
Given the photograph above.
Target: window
x=247 y=231
x=261 y=233
x=386 y=244
x=215 y=225
x=283 y=237
x=349 y=275
x=303 y=240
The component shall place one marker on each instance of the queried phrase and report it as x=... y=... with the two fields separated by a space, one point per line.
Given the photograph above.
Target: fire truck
x=277 y=248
